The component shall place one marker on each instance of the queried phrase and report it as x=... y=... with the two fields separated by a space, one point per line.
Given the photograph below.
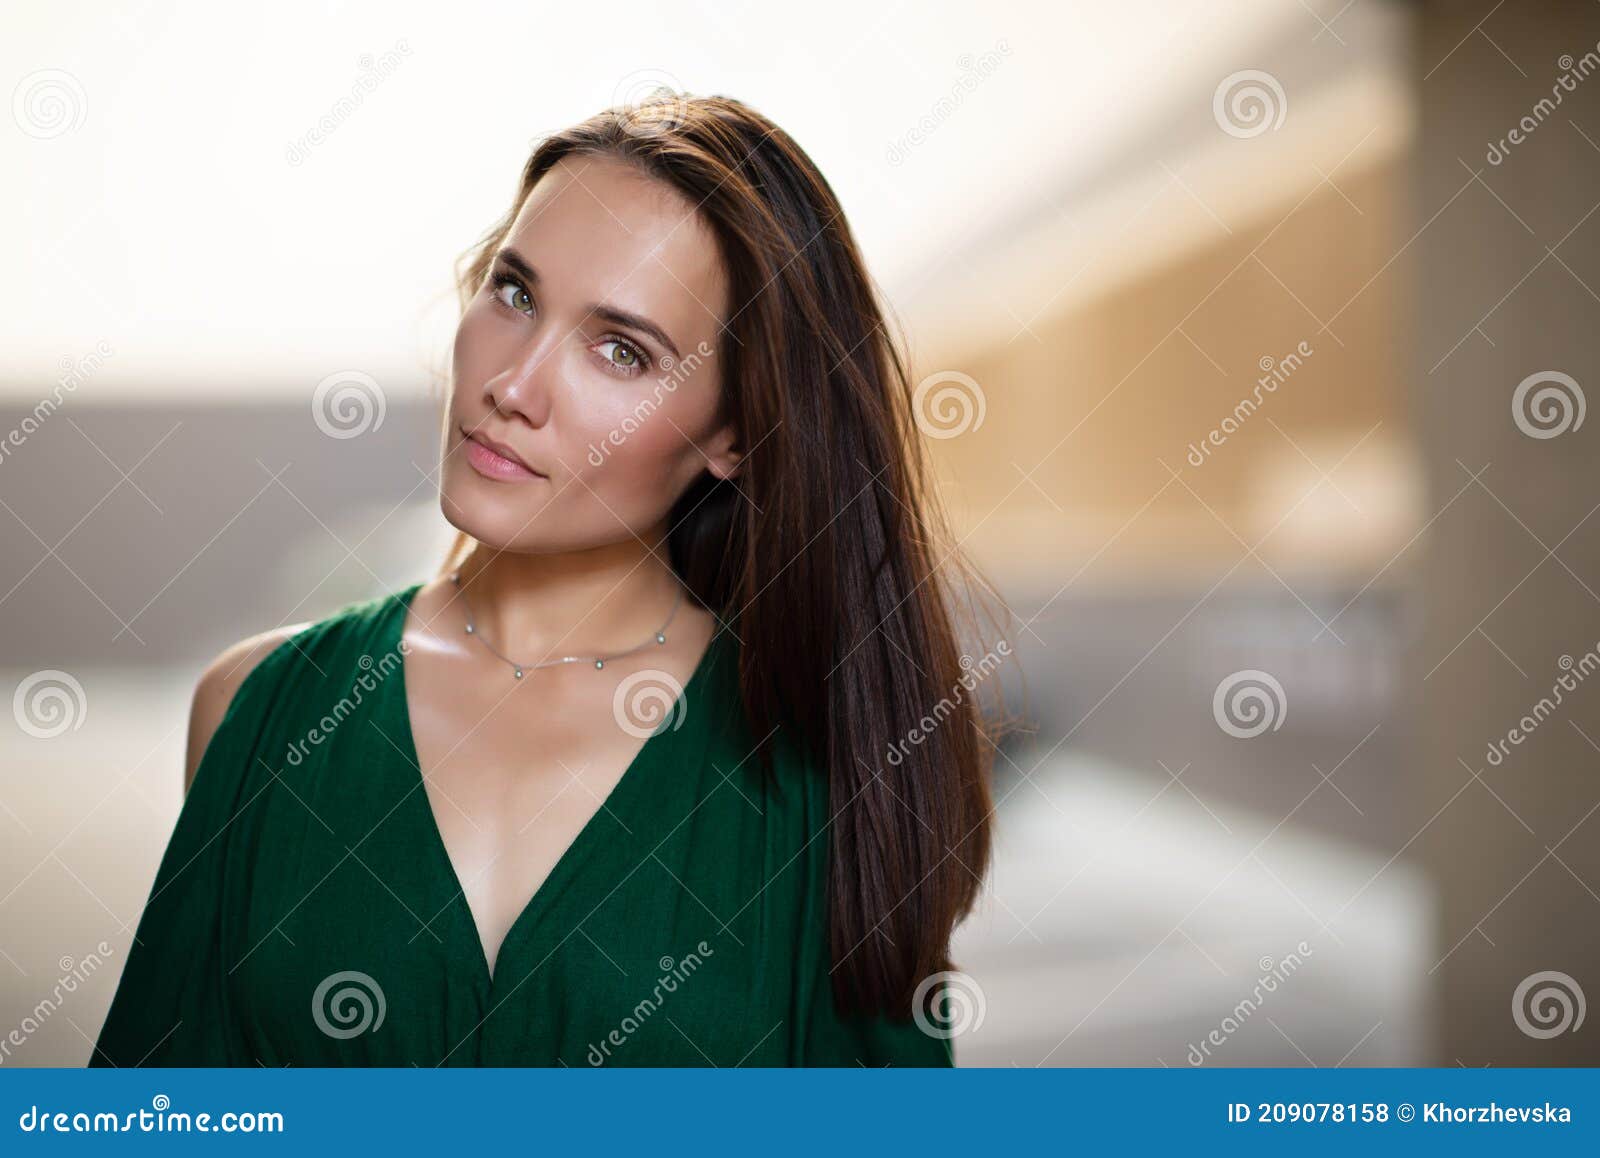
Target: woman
x=667 y=702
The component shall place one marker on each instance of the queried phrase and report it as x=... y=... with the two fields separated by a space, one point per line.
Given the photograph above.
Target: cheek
x=641 y=457
x=646 y=443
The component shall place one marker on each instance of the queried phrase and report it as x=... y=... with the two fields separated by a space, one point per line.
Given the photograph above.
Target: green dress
x=306 y=911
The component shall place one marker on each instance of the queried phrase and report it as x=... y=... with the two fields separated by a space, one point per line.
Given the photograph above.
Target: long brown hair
x=830 y=555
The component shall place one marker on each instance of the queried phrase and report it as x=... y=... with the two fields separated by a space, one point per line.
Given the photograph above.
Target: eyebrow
x=612 y=314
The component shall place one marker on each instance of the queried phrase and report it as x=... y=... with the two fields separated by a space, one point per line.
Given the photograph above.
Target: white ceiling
x=169 y=223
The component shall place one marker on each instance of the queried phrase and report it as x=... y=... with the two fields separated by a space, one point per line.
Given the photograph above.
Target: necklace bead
x=598 y=661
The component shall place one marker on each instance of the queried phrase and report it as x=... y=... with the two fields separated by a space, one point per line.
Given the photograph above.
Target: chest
x=422 y=869
x=513 y=777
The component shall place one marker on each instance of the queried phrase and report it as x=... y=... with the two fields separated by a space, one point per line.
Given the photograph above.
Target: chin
x=489 y=512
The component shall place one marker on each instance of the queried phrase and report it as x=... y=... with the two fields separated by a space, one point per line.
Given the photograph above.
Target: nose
x=524 y=388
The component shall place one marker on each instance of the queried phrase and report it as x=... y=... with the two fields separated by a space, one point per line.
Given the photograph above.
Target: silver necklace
x=599 y=661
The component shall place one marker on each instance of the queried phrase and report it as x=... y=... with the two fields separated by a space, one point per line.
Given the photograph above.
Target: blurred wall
x=1509 y=253
x=1158 y=518
x=1106 y=450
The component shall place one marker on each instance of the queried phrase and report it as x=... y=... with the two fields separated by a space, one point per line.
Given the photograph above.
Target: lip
x=496 y=460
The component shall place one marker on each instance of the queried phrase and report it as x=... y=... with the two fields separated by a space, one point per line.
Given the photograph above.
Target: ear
x=723 y=458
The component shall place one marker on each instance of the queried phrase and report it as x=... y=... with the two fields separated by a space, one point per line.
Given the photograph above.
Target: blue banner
x=764 y=1112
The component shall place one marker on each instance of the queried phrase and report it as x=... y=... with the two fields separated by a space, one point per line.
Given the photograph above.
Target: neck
x=590 y=602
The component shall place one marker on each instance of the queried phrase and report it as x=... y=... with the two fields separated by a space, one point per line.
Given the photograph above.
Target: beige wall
x=1511 y=267
x=1090 y=405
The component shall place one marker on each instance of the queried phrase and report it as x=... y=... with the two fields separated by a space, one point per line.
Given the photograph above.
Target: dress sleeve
x=172 y=1005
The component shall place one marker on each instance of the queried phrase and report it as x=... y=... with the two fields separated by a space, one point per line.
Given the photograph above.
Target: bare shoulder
x=217 y=685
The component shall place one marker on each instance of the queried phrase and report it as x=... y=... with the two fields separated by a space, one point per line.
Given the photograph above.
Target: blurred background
x=1254 y=339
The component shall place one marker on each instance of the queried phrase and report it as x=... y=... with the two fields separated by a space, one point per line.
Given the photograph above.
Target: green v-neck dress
x=306 y=911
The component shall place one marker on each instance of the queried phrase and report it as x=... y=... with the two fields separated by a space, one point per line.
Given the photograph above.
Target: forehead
x=601 y=230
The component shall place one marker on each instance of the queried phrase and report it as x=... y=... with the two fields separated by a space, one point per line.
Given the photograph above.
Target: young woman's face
x=584 y=385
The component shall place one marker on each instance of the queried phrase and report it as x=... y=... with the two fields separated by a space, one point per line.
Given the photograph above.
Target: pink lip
x=494 y=460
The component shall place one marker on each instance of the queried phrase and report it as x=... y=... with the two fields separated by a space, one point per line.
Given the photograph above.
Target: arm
x=172 y=1005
